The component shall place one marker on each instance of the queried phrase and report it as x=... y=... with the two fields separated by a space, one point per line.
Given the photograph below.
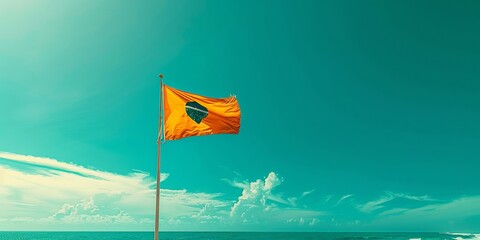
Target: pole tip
x=161 y=75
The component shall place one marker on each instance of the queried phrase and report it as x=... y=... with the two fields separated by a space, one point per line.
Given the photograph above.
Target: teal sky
x=356 y=115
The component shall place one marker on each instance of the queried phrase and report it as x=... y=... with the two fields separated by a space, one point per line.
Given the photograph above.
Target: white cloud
x=210 y=214
x=393 y=211
x=374 y=205
x=406 y=212
x=327 y=199
x=314 y=222
x=83 y=207
x=456 y=214
x=345 y=197
x=252 y=206
x=307 y=193
x=62 y=166
x=379 y=204
x=49 y=191
x=54 y=195
x=86 y=211
x=255 y=195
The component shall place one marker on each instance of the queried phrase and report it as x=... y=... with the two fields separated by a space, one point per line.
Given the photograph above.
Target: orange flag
x=187 y=114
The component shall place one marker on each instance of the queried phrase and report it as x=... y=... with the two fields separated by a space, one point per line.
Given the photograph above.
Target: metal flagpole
x=157 y=198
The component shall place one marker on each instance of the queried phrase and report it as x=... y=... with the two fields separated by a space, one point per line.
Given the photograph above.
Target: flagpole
x=157 y=197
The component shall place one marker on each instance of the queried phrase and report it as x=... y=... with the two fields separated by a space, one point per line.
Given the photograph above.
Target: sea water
x=234 y=236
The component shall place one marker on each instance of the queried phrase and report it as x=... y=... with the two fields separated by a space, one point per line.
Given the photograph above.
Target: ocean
x=234 y=236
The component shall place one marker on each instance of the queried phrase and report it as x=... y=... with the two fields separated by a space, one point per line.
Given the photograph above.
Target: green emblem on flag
x=196 y=111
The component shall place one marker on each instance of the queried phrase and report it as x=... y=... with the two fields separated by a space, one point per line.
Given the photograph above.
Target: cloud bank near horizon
x=49 y=194
x=38 y=193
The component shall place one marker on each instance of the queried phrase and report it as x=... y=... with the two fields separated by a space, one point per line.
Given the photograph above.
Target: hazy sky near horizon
x=356 y=115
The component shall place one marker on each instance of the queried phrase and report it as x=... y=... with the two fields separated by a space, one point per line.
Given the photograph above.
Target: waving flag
x=187 y=114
